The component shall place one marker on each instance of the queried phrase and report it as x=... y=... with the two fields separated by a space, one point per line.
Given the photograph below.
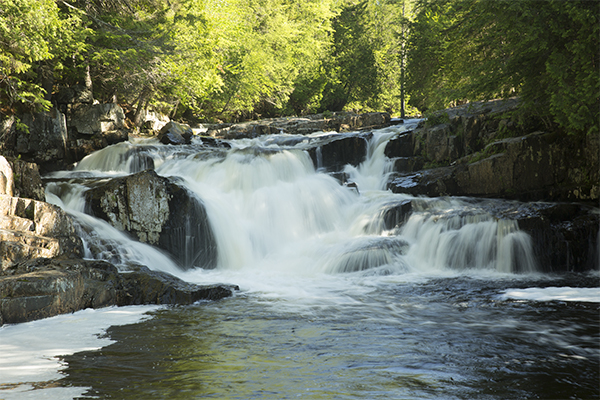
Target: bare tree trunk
x=402 y=67
x=88 y=78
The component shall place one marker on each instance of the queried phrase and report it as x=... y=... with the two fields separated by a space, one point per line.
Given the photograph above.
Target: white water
x=285 y=231
x=270 y=210
x=566 y=293
x=29 y=362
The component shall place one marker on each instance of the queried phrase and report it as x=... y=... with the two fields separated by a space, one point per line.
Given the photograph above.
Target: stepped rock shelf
x=477 y=150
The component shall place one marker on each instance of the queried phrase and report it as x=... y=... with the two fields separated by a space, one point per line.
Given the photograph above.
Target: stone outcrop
x=480 y=151
x=65 y=134
x=21 y=179
x=43 y=287
x=31 y=228
x=338 y=122
x=158 y=212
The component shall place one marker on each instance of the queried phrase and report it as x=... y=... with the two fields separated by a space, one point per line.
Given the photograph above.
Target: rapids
x=345 y=292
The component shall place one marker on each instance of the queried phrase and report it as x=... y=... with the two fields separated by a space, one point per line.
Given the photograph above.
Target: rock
x=75 y=94
x=44 y=287
x=7 y=183
x=154 y=122
x=176 y=134
x=92 y=119
x=400 y=146
x=144 y=286
x=45 y=141
x=21 y=179
x=339 y=122
x=159 y=212
x=479 y=151
x=30 y=228
x=432 y=182
x=49 y=143
x=332 y=153
x=565 y=235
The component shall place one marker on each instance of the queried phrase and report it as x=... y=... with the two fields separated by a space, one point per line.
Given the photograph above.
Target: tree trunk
x=142 y=104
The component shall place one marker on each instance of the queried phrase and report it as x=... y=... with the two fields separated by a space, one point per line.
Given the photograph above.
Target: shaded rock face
x=335 y=152
x=21 y=179
x=91 y=119
x=565 y=236
x=30 y=229
x=158 y=212
x=46 y=141
x=43 y=287
x=471 y=156
x=55 y=140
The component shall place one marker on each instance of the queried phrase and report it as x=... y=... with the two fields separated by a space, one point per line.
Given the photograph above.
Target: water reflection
x=446 y=338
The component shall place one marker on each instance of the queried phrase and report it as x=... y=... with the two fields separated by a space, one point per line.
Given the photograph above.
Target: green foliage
x=545 y=51
x=234 y=59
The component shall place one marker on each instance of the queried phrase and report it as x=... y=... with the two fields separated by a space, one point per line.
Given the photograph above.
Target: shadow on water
x=451 y=338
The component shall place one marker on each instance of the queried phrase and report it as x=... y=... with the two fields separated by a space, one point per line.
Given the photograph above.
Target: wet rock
x=565 y=235
x=44 y=287
x=175 y=133
x=400 y=146
x=397 y=214
x=336 y=151
x=158 y=212
x=143 y=286
x=432 y=182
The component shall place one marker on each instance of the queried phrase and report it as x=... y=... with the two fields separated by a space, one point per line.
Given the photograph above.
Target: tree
x=34 y=36
x=544 y=51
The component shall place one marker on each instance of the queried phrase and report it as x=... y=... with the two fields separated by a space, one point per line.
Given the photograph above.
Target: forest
x=233 y=60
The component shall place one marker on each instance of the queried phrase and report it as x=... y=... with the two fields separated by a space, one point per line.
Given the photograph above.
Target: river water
x=333 y=303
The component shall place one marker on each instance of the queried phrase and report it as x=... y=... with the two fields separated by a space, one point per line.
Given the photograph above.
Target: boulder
x=335 y=151
x=44 y=287
x=176 y=134
x=157 y=211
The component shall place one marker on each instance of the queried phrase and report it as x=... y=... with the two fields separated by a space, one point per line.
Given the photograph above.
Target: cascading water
x=346 y=292
x=267 y=204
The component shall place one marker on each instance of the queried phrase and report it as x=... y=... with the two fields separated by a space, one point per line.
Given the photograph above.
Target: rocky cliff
x=486 y=150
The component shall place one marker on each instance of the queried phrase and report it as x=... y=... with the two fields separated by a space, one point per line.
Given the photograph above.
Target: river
x=333 y=303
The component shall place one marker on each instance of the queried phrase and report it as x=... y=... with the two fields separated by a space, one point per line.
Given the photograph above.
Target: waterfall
x=270 y=208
